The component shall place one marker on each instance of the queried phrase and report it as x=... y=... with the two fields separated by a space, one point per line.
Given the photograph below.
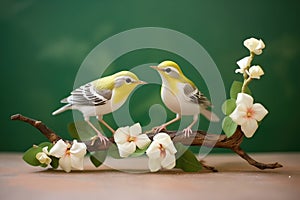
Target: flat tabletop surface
x=236 y=179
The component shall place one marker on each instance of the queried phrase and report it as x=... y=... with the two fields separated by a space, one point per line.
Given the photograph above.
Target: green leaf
x=55 y=162
x=228 y=106
x=229 y=126
x=186 y=160
x=98 y=157
x=80 y=130
x=113 y=151
x=43 y=165
x=139 y=152
x=236 y=88
x=29 y=156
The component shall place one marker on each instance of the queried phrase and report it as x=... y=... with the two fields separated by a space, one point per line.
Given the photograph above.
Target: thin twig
x=50 y=135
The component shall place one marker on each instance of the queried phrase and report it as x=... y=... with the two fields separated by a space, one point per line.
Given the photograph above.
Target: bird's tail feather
x=210 y=115
x=62 y=109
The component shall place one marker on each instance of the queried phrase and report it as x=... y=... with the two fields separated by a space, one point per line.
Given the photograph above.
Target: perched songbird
x=100 y=97
x=181 y=96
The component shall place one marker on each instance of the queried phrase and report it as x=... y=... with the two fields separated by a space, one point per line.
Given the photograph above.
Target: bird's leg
x=188 y=130
x=99 y=117
x=163 y=126
x=99 y=134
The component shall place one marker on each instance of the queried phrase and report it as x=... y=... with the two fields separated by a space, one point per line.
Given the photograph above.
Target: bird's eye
x=168 y=70
x=128 y=80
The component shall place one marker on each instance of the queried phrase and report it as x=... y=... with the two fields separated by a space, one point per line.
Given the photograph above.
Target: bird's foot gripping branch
x=164 y=149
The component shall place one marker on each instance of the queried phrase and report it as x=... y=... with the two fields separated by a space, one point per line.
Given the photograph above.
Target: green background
x=43 y=44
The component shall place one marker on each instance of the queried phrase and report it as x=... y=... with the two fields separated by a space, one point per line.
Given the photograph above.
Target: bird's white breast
x=177 y=101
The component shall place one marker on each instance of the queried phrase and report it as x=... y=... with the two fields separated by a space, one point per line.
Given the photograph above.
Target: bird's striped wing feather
x=195 y=96
x=88 y=95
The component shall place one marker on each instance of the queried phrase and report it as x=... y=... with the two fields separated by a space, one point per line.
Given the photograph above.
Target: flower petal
x=259 y=47
x=142 y=141
x=257 y=51
x=126 y=149
x=121 y=135
x=154 y=164
x=254 y=45
x=78 y=149
x=255 y=72
x=261 y=44
x=169 y=161
x=171 y=148
x=135 y=129
x=259 y=111
x=65 y=163
x=244 y=62
x=245 y=99
x=239 y=71
x=251 y=44
x=249 y=127
x=45 y=150
x=153 y=150
x=165 y=140
x=43 y=158
x=239 y=114
x=76 y=162
x=59 y=149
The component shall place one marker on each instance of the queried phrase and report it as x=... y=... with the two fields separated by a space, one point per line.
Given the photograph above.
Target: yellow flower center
x=250 y=112
x=68 y=152
x=131 y=139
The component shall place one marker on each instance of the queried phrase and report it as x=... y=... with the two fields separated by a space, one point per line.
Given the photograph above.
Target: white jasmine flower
x=255 y=72
x=43 y=156
x=128 y=138
x=254 y=45
x=161 y=153
x=246 y=114
x=243 y=64
x=70 y=156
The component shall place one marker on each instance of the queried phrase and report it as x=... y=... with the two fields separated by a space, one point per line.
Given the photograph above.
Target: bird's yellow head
x=124 y=83
x=169 y=71
x=126 y=79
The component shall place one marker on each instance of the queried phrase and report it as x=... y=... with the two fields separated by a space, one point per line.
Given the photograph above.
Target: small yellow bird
x=100 y=97
x=181 y=96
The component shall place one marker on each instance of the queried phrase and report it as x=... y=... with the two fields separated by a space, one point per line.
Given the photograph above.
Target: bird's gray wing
x=87 y=95
x=195 y=96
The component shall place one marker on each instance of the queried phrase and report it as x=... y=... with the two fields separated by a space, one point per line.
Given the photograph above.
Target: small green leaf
x=186 y=160
x=98 y=157
x=139 y=152
x=29 y=156
x=228 y=106
x=43 y=165
x=236 y=88
x=80 y=130
x=229 y=126
x=55 y=162
x=113 y=151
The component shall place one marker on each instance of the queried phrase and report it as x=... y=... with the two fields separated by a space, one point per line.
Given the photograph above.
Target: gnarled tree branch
x=198 y=138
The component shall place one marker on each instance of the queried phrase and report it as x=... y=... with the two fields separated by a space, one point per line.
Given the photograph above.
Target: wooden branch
x=198 y=138
x=253 y=162
x=50 y=135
